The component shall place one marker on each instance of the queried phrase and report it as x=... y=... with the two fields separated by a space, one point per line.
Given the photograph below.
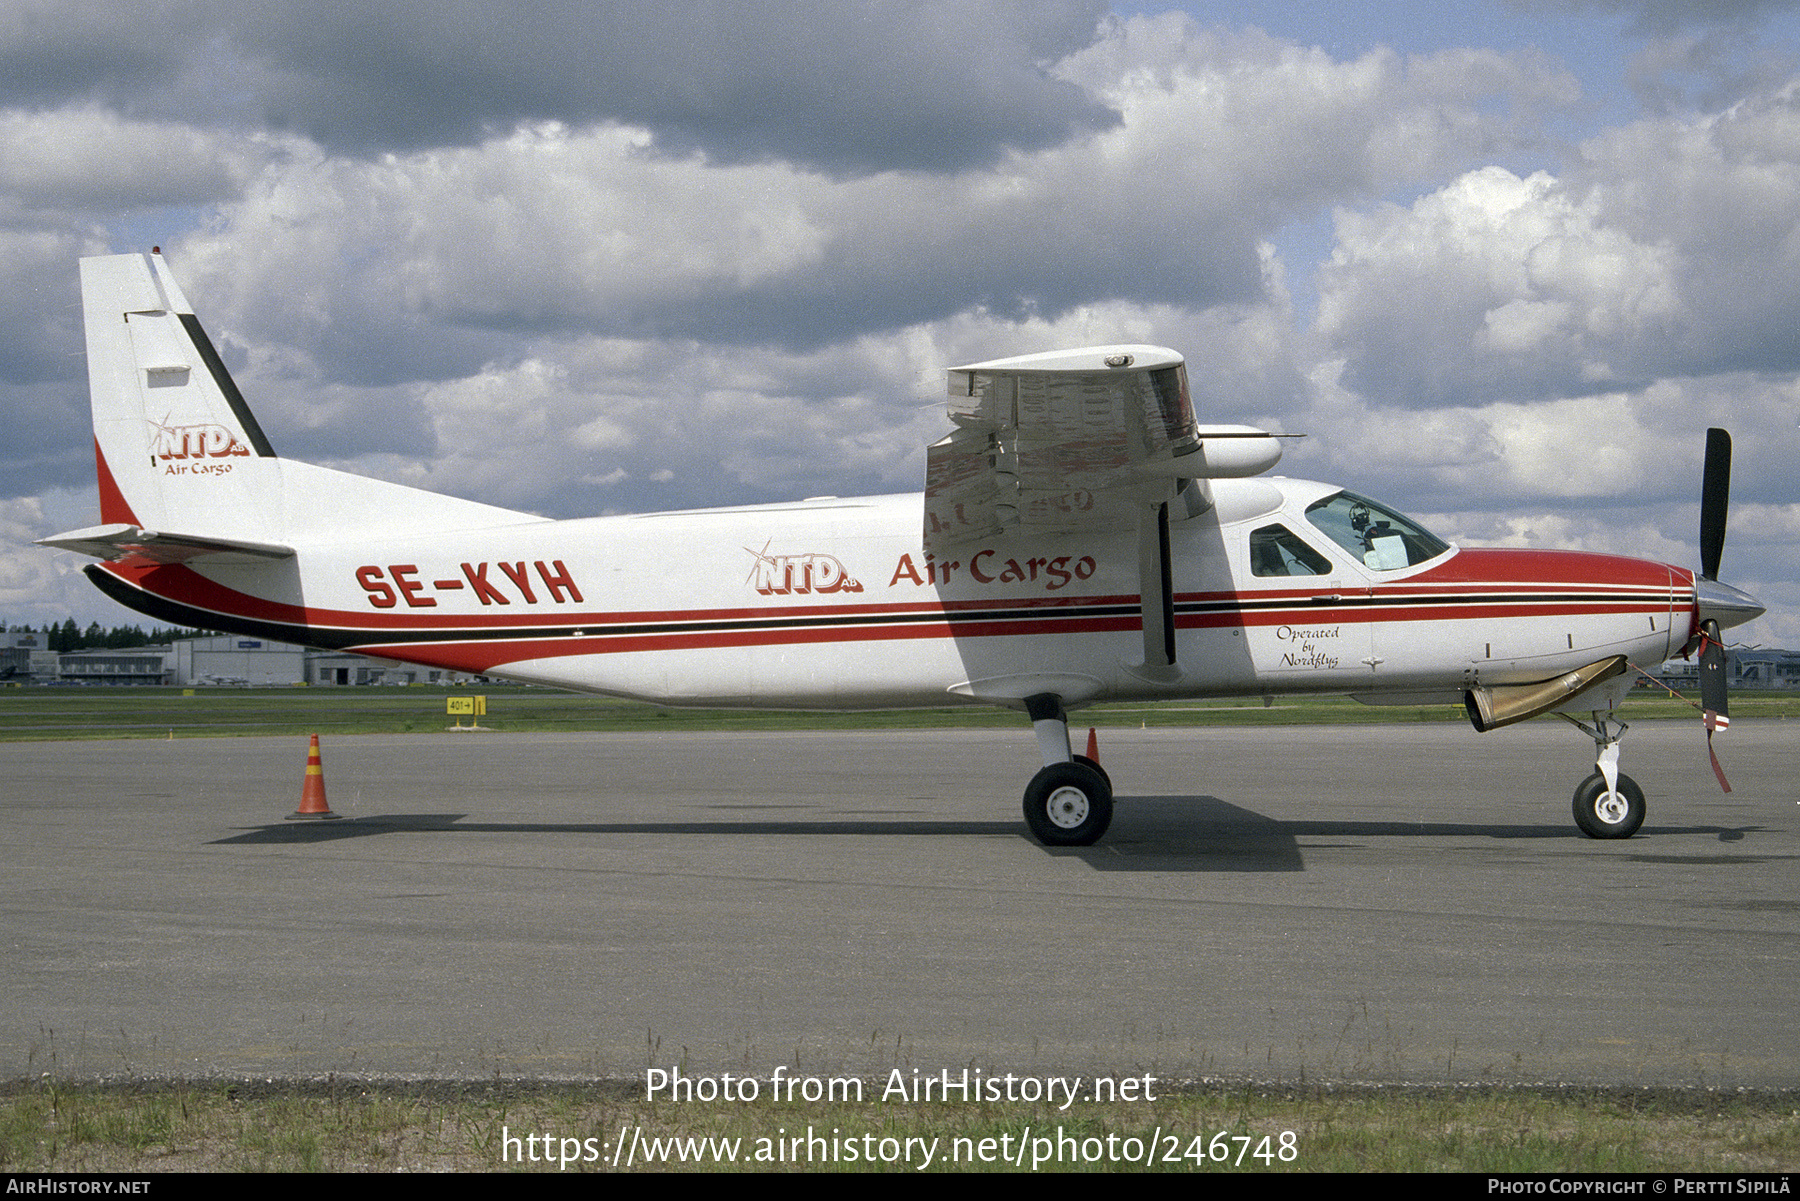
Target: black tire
x=1604 y=815
x=1086 y=762
x=1068 y=805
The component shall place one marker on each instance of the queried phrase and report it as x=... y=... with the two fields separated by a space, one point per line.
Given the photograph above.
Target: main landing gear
x=1608 y=804
x=1069 y=802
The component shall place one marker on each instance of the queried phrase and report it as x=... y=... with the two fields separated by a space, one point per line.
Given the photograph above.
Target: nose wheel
x=1604 y=812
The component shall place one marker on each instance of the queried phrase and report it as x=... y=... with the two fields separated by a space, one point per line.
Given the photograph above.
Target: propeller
x=1718 y=604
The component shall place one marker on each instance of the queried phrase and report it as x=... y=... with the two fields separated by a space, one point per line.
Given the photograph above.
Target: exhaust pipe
x=1504 y=704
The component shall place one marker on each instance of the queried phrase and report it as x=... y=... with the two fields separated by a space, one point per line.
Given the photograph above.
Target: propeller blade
x=1715 y=498
x=1714 y=695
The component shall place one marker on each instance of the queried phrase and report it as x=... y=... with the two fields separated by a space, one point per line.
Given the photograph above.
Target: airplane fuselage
x=833 y=603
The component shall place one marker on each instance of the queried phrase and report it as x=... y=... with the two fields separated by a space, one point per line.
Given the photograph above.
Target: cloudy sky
x=1503 y=261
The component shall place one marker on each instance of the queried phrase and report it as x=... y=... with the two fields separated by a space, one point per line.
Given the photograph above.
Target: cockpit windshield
x=1379 y=537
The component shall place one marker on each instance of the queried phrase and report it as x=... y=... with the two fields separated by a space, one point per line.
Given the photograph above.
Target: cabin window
x=1276 y=550
x=1380 y=538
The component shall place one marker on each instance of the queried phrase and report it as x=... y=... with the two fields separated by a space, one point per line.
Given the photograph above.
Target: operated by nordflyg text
x=899 y=1087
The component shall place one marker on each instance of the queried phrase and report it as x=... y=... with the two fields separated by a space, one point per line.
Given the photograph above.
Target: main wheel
x=1068 y=805
x=1603 y=814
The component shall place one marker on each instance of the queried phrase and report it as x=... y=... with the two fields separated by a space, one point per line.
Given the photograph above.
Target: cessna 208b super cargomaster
x=1081 y=538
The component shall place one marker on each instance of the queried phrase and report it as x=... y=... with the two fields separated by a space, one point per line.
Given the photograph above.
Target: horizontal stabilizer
x=119 y=541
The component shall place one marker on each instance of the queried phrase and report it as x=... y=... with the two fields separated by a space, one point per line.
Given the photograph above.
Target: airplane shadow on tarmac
x=1148 y=834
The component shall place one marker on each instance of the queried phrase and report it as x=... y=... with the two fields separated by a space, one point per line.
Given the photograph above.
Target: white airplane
x=1081 y=539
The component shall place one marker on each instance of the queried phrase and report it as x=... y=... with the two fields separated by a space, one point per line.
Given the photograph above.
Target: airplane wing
x=1074 y=440
x=1097 y=439
x=119 y=540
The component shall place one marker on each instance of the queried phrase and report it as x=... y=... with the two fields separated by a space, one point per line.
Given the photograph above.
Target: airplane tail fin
x=184 y=469
x=170 y=427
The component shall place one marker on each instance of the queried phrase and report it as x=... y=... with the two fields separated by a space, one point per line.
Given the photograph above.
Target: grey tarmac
x=1406 y=903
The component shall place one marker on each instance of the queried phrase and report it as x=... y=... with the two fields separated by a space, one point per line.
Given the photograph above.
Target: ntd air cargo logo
x=204 y=440
x=798 y=575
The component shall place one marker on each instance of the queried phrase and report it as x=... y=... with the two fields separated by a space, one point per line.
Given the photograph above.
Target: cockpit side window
x=1379 y=537
x=1276 y=550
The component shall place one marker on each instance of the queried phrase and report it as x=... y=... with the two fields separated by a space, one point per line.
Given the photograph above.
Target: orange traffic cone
x=312 y=793
x=1093 y=745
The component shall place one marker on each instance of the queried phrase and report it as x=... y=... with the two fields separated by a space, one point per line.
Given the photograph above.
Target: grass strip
x=337 y=1125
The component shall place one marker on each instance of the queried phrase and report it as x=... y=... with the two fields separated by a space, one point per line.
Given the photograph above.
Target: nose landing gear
x=1608 y=804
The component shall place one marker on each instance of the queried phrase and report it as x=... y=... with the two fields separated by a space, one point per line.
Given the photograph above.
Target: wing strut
x=1156 y=585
